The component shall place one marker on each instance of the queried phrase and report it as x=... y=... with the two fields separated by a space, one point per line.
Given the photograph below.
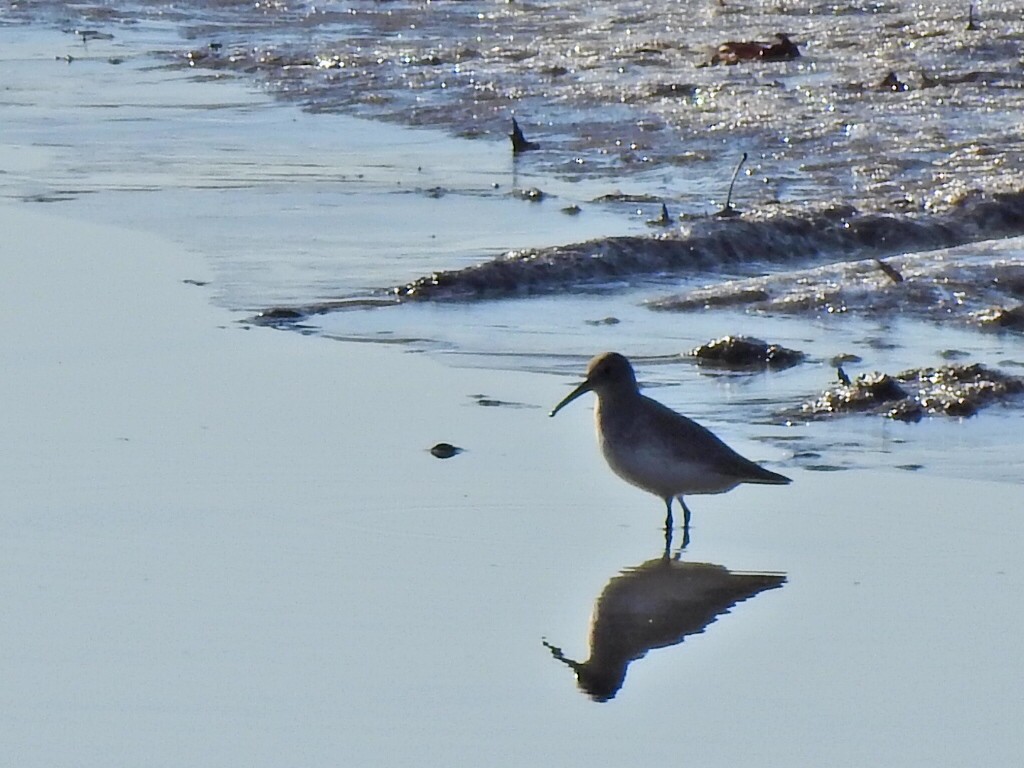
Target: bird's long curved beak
x=583 y=388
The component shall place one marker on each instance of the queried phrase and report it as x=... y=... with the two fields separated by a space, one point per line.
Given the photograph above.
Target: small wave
x=834 y=233
x=982 y=288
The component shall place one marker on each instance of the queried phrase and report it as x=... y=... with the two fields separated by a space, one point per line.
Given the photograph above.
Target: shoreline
x=225 y=545
x=232 y=546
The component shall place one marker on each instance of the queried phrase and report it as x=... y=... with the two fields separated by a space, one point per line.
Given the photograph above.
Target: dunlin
x=654 y=448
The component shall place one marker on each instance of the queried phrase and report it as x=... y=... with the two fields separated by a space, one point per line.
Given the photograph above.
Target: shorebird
x=654 y=448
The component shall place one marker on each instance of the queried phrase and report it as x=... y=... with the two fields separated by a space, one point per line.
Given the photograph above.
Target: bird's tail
x=767 y=477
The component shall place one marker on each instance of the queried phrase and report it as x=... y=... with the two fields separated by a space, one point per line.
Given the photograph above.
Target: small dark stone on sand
x=445 y=450
x=572 y=210
x=746 y=353
x=604 y=321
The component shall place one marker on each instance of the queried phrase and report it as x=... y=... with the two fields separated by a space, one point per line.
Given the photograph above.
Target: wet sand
x=225 y=545
x=233 y=547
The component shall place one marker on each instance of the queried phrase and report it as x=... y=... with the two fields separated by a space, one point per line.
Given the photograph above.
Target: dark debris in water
x=745 y=353
x=950 y=390
x=833 y=232
x=520 y=143
x=278 y=316
x=531 y=195
x=936 y=285
x=1003 y=319
x=491 y=402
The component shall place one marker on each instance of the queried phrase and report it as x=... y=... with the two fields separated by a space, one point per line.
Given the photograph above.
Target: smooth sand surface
x=231 y=547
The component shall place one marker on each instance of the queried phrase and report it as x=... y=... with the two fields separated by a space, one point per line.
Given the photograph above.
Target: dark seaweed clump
x=745 y=353
x=951 y=390
x=834 y=233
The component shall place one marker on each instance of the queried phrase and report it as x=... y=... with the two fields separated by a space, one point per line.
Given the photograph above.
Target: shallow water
x=326 y=210
x=614 y=88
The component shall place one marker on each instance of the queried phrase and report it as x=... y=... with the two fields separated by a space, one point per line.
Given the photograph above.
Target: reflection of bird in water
x=654 y=448
x=656 y=605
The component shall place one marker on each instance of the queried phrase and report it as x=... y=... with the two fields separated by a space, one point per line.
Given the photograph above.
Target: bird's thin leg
x=686 y=513
x=668 y=526
x=686 y=523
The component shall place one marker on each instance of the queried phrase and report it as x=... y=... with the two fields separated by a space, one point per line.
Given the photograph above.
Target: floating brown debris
x=745 y=353
x=950 y=390
x=734 y=52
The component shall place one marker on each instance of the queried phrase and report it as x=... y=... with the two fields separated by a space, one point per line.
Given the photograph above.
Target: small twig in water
x=663 y=220
x=892 y=272
x=728 y=209
x=519 y=142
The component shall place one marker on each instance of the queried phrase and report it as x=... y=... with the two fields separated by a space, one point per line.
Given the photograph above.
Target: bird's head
x=607 y=372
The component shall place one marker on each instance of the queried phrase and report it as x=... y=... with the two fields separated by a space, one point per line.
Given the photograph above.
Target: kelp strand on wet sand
x=832 y=233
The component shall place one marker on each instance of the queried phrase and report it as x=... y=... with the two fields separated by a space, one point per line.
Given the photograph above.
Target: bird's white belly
x=647 y=465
